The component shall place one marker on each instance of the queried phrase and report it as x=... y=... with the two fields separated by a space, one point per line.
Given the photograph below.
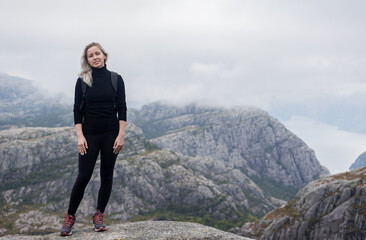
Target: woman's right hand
x=82 y=145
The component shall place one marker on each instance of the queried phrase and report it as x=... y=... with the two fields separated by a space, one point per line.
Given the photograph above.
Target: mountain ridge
x=247 y=130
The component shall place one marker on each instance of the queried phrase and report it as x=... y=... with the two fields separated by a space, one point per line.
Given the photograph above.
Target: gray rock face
x=144 y=181
x=26 y=150
x=163 y=179
x=360 y=162
x=333 y=207
x=28 y=153
x=246 y=138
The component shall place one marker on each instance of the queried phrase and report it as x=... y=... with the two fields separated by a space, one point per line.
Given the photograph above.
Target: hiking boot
x=66 y=229
x=98 y=222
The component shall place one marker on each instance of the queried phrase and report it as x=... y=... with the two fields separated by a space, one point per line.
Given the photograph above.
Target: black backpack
x=84 y=88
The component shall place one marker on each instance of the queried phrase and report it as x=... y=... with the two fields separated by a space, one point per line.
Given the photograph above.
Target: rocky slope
x=333 y=207
x=220 y=167
x=246 y=138
x=37 y=169
x=39 y=165
x=360 y=162
x=22 y=104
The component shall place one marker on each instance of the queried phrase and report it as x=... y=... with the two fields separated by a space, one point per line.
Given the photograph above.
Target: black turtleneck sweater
x=99 y=112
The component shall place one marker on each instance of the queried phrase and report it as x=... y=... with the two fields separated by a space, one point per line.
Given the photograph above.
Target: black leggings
x=102 y=143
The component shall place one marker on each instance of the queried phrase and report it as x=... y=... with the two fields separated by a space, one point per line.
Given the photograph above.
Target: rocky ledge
x=333 y=207
x=164 y=230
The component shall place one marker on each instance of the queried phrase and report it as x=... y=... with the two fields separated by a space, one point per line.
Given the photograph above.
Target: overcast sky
x=229 y=52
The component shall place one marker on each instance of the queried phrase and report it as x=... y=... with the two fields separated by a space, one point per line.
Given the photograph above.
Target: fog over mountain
x=24 y=104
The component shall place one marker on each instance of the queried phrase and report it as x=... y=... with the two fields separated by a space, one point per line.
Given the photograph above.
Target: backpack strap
x=114 y=80
x=84 y=88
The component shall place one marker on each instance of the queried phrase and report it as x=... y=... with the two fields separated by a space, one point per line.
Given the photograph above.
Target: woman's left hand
x=118 y=144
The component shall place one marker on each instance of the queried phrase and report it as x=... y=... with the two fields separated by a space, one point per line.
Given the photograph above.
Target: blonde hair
x=86 y=71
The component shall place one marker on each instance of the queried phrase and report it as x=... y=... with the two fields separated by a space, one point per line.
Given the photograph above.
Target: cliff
x=246 y=138
x=332 y=207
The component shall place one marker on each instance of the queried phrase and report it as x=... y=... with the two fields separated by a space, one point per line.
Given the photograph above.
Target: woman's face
x=95 y=57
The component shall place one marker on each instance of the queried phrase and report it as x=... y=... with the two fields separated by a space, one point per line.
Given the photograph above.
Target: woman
x=98 y=129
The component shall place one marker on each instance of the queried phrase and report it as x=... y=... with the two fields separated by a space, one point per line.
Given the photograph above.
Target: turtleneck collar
x=101 y=70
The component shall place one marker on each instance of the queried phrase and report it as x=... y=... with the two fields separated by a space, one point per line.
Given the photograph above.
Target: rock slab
x=159 y=230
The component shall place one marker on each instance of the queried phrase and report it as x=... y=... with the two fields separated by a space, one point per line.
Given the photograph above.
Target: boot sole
x=101 y=229
x=64 y=234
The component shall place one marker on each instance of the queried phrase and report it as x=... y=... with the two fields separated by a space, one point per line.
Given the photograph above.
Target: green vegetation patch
x=150 y=147
x=275 y=189
x=49 y=173
x=178 y=212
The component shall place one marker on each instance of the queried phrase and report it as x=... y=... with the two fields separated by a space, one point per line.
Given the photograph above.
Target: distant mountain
x=332 y=207
x=360 y=162
x=246 y=138
x=22 y=104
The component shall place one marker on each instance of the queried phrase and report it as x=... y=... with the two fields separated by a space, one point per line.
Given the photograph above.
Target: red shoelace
x=69 y=221
x=98 y=217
